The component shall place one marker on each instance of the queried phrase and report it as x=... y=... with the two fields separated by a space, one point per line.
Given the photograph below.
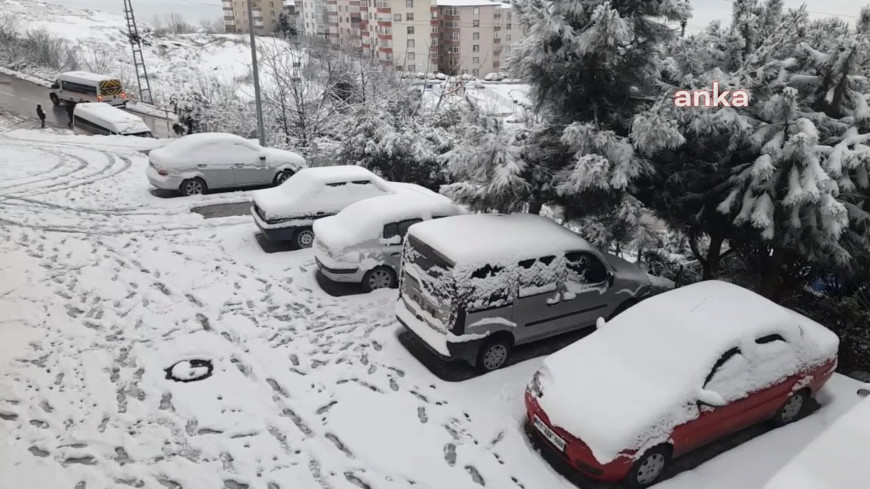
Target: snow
x=174 y=62
x=104 y=285
x=473 y=239
x=661 y=351
x=835 y=459
x=112 y=118
x=84 y=77
x=365 y=220
x=325 y=190
x=182 y=153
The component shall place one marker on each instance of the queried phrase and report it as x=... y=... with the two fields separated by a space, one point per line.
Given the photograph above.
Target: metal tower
x=138 y=60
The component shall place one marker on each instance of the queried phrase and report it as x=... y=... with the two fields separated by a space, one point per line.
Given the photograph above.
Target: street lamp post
x=260 y=130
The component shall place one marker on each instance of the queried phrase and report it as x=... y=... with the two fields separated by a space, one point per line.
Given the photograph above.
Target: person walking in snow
x=70 y=109
x=41 y=114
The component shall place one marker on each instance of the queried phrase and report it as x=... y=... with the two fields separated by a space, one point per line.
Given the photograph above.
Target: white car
x=97 y=118
x=363 y=242
x=198 y=163
x=835 y=459
x=288 y=211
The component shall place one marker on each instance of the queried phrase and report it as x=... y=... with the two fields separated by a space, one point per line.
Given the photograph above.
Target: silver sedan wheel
x=282 y=177
x=380 y=279
x=193 y=187
x=650 y=469
x=792 y=408
x=495 y=356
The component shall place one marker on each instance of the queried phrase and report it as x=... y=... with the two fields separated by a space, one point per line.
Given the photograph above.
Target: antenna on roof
x=138 y=60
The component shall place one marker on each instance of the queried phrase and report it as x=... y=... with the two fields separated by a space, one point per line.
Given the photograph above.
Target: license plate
x=549 y=434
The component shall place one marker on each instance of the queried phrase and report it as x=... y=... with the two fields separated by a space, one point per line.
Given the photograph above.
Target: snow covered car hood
x=626 y=386
x=627 y=271
x=278 y=157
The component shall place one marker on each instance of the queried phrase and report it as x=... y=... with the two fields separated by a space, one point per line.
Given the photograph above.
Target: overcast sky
x=705 y=10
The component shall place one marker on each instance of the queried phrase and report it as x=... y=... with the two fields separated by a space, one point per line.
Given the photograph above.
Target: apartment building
x=455 y=37
x=476 y=36
x=401 y=33
x=313 y=18
x=265 y=15
x=344 y=23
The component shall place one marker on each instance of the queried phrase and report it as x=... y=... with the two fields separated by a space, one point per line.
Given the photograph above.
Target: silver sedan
x=198 y=163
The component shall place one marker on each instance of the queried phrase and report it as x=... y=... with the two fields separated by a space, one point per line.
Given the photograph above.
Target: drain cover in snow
x=190 y=370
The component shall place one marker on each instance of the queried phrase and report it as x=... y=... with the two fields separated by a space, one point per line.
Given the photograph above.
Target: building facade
x=476 y=36
x=313 y=18
x=265 y=15
x=455 y=37
x=400 y=33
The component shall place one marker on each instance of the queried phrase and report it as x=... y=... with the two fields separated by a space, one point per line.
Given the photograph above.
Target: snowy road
x=21 y=97
x=105 y=285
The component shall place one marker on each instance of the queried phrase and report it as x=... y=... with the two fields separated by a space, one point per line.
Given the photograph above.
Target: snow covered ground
x=106 y=285
x=99 y=37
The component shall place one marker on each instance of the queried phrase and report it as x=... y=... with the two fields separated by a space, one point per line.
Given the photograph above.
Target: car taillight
x=163 y=173
x=99 y=98
x=123 y=95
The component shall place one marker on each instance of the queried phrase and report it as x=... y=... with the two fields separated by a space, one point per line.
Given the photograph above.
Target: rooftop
x=495 y=238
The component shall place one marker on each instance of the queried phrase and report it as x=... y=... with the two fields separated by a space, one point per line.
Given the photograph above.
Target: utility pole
x=138 y=60
x=260 y=130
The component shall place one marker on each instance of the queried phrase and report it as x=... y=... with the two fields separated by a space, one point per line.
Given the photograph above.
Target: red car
x=673 y=373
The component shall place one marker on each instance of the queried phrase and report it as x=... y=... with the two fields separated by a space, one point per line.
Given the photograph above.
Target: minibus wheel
x=54 y=99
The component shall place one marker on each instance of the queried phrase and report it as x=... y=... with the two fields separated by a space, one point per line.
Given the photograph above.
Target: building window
x=434 y=29
x=409 y=17
x=508 y=38
x=507 y=50
x=476 y=11
x=397 y=17
x=475 y=36
x=475 y=48
x=434 y=42
x=464 y=72
x=410 y=30
x=476 y=61
x=411 y=56
x=454 y=36
x=412 y=68
x=411 y=43
x=475 y=72
x=434 y=15
x=508 y=27
x=409 y=3
x=475 y=23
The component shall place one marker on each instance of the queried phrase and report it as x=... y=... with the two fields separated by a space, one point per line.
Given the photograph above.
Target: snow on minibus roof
x=86 y=76
x=111 y=118
x=484 y=238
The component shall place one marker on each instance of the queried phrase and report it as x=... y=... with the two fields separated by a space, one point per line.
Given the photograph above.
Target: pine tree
x=592 y=67
x=487 y=166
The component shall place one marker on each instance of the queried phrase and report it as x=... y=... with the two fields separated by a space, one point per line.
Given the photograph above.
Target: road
x=21 y=97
